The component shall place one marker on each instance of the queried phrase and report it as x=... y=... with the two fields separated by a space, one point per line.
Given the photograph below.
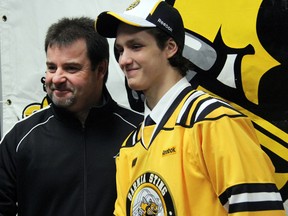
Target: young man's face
x=140 y=58
x=70 y=81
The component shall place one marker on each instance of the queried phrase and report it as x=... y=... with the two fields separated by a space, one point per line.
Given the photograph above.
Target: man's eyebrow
x=49 y=63
x=72 y=64
x=66 y=63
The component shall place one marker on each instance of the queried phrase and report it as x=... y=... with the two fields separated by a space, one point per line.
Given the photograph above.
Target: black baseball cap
x=144 y=13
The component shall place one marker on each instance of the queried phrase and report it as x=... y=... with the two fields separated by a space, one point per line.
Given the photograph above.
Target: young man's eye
x=136 y=46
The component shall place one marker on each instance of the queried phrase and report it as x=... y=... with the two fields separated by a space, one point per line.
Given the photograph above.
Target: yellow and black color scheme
x=239 y=49
x=247 y=41
x=194 y=164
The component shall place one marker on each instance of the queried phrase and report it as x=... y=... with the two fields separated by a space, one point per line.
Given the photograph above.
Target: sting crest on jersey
x=149 y=195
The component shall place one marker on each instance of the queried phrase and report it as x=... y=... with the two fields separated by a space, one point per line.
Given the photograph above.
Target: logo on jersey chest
x=169 y=151
x=149 y=195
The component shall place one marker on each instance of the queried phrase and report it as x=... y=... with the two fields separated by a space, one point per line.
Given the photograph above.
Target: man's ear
x=102 y=67
x=171 y=48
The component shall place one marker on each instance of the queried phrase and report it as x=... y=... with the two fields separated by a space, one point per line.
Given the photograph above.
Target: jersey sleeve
x=240 y=171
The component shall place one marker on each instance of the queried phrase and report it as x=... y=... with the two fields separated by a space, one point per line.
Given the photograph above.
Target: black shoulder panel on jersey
x=188 y=106
x=204 y=107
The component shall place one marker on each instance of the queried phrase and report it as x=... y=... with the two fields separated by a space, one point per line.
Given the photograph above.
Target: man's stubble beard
x=61 y=102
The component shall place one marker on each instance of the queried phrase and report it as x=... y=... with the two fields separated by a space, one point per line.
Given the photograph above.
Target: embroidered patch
x=133 y=5
x=149 y=195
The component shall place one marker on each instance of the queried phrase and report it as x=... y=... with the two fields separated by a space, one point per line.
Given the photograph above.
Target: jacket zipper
x=85 y=175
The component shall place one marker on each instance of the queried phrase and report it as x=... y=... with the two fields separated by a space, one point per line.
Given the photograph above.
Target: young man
x=60 y=160
x=200 y=156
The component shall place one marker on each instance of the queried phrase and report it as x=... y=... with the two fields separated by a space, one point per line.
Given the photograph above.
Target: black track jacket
x=51 y=166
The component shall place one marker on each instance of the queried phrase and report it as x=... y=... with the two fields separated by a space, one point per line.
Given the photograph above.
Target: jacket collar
x=96 y=114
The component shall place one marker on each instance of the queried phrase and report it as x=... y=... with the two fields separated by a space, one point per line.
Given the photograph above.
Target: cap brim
x=107 y=23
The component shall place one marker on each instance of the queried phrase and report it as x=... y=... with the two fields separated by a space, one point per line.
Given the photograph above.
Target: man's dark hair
x=68 y=30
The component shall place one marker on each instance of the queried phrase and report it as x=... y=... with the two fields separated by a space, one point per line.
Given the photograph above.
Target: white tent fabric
x=22 y=60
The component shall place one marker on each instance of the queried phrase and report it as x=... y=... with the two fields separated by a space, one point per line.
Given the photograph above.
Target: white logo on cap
x=165 y=25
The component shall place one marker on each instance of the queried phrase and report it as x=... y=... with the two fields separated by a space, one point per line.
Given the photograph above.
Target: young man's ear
x=171 y=47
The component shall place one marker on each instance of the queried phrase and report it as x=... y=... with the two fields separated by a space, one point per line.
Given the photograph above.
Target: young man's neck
x=155 y=93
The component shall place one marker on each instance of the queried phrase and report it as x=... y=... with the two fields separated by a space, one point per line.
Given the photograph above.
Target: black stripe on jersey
x=251 y=197
x=191 y=99
x=215 y=104
x=256 y=206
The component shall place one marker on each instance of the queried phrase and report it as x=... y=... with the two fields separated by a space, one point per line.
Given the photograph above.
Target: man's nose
x=59 y=76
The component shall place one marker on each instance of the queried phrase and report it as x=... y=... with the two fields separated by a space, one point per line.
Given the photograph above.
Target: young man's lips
x=130 y=71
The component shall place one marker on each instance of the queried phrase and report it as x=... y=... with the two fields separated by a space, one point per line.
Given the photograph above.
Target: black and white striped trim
x=251 y=197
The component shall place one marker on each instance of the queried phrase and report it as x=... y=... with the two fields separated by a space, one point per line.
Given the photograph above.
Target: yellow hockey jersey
x=204 y=159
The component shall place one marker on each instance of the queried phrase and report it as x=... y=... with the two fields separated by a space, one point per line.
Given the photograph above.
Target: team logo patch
x=133 y=5
x=149 y=195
